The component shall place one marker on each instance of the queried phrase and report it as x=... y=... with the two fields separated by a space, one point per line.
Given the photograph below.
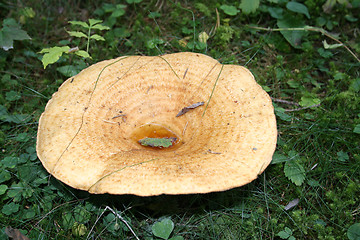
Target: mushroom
x=90 y=133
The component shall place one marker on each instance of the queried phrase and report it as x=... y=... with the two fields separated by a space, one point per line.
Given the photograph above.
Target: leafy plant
x=249 y=6
x=164 y=228
x=353 y=233
x=52 y=55
x=229 y=10
x=286 y=234
x=113 y=11
x=114 y=225
x=293 y=169
x=9 y=32
x=357 y=129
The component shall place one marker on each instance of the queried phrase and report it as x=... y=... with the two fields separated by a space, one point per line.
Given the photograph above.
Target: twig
x=117 y=215
x=284 y=101
x=293 y=103
x=308 y=28
x=92 y=228
x=212 y=152
x=74 y=49
x=356 y=212
x=110 y=122
x=298 y=109
x=217 y=24
x=123 y=220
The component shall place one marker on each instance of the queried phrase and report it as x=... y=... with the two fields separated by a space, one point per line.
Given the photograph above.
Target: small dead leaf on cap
x=15 y=234
x=186 y=109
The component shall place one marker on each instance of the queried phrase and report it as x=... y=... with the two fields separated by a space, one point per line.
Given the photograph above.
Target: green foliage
x=229 y=10
x=9 y=32
x=52 y=55
x=295 y=172
x=114 y=225
x=223 y=35
x=286 y=234
x=249 y=6
x=3 y=189
x=10 y=208
x=357 y=129
x=153 y=43
x=307 y=101
x=342 y=156
x=164 y=228
x=5 y=116
x=113 y=10
x=79 y=229
x=298 y=8
x=353 y=232
x=293 y=169
x=204 y=9
x=290 y=22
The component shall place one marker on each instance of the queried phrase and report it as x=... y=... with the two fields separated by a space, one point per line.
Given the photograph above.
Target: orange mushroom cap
x=88 y=135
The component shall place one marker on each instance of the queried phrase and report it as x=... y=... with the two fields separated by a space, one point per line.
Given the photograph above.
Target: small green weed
x=163 y=229
x=286 y=234
x=52 y=55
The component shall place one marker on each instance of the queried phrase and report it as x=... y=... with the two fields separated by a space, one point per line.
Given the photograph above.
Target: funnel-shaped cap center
x=156 y=136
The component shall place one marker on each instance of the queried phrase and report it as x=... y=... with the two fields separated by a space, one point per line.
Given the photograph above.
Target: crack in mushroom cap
x=86 y=133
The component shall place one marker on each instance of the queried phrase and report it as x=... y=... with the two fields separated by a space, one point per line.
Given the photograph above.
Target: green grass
x=316 y=93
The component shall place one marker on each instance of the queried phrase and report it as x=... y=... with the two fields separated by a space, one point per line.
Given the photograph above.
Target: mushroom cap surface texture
x=88 y=134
